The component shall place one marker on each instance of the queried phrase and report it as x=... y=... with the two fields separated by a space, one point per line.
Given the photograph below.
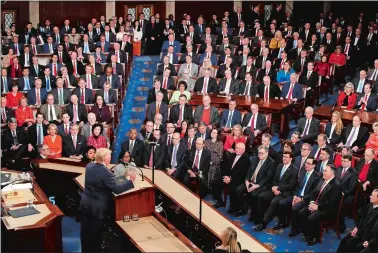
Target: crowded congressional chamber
x=189 y=126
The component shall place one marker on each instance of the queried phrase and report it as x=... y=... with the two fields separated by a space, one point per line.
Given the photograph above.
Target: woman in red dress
x=24 y=114
x=15 y=69
x=348 y=98
x=338 y=59
x=323 y=69
x=97 y=140
x=14 y=97
x=233 y=139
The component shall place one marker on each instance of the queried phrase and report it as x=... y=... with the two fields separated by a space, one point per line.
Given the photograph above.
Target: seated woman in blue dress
x=283 y=75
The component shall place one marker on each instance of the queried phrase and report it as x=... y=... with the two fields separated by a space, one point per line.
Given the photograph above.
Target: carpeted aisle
x=133 y=113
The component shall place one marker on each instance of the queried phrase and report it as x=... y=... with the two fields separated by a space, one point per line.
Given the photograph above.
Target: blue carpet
x=133 y=114
x=70 y=234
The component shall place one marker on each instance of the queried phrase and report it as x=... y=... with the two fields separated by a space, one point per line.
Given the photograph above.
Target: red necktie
x=169 y=140
x=165 y=83
x=266 y=96
x=38 y=98
x=102 y=47
x=320 y=192
x=60 y=58
x=153 y=25
x=74 y=141
x=114 y=68
x=3 y=115
x=189 y=143
x=150 y=162
x=318 y=155
x=74 y=67
x=116 y=53
x=55 y=70
x=196 y=162
x=364 y=105
x=66 y=81
x=34 y=50
x=290 y=93
x=66 y=129
x=16 y=47
x=76 y=118
x=282 y=64
x=253 y=123
x=82 y=96
x=343 y=173
x=346 y=49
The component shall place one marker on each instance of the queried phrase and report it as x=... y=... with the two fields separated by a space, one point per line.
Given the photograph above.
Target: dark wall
x=351 y=10
x=307 y=10
x=57 y=11
x=204 y=8
x=22 y=11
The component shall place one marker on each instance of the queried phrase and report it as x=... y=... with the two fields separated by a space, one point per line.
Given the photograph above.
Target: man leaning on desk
x=99 y=185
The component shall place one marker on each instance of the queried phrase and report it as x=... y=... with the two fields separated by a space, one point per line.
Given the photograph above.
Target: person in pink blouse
x=373 y=140
x=97 y=140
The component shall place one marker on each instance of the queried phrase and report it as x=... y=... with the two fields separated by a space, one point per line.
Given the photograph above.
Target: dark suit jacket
x=23 y=60
x=315 y=151
x=274 y=90
x=61 y=129
x=112 y=95
x=9 y=84
x=236 y=118
x=234 y=86
x=265 y=175
x=297 y=91
x=69 y=149
x=238 y=172
x=159 y=155
x=88 y=95
x=288 y=182
x=21 y=83
x=212 y=86
x=79 y=67
x=119 y=68
x=260 y=121
x=7 y=138
x=348 y=182
x=297 y=65
x=32 y=134
x=99 y=185
x=222 y=69
x=71 y=79
x=252 y=88
x=137 y=153
x=372 y=175
x=152 y=95
x=188 y=161
x=32 y=100
x=151 y=111
x=40 y=70
x=311 y=82
x=52 y=81
x=160 y=69
x=116 y=84
x=94 y=81
x=179 y=155
x=66 y=95
x=329 y=198
x=313 y=130
x=175 y=114
x=335 y=138
x=371 y=105
x=82 y=112
x=91 y=46
x=170 y=83
x=9 y=114
x=272 y=74
x=311 y=184
x=362 y=137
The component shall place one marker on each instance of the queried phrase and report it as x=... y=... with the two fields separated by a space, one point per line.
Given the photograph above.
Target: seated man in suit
x=99 y=56
x=48 y=80
x=322 y=141
x=180 y=112
x=367 y=170
x=90 y=78
x=206 y=84
x=50 y=46
x=157 y=157
x=96 y=66
x=175 y=154
x=203 y=131
x=367 y=101
x=55 y=66
x=292 y=90
x=74 y=144
x=171 y=42
x=6 y=113
x=13 y=144
x=296 y=140
x=267 y=89
x=166 y=80
x=284 y=182
x=111 y=78
x=323 y=205
x=301 y=159
x=167 y=137
x=26 y=57
x=26 y=82
x=86 y=130
x=61 y=95
x=154 y=90
x=254 y=123
x=133 y=145
x=230 y=117
x=162 y=67
x=84 y=94
x=172 y=57
x=36 y=133
x=233 y=170
x=209 y=54
x=37 y=95
x=157 y=107
x=261 y=60
x=196 y=165
x=147 y=131
x=76 y=111
x=206 y=113
x=50 y=111
x=36 y=69
x=355 y=135
x=359 y=83
x=308 y=180
x=192 y=67
x=109 y=95
x=248 y=87
x=267 y=71
x=228 y=85
x=308 y=126
x=227 y=65
x=117 y=67
x=64 y=128
x=69 y=80
x=120 y=57
x=104 y=45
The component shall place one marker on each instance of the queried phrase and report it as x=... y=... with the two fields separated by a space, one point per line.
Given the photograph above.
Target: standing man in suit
x=233 y=170
x=50 y=111
x=26 y=57
x=324 y=204
x=309 y=78
x=6 y=81
x=157 y=157
x=308 y=180
x=308 y=126
x=74 y=144
x=157 y=107
x=284 y=183
x=367 y=101
x=180 y=112
x=206 y=113
x=133 y=145
x=175 y=154
x=355 y=135
x=171 y=42
x=76 y=111
x=166 y=80
x=61 y=95
x=254 y=123
x=230 y=117
x=64 y=128
x=99 y=185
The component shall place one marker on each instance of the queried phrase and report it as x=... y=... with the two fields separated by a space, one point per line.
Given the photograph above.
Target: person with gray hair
x=188 y=65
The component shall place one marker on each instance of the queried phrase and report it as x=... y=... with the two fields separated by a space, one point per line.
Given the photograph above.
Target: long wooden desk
x=35 y=233
x=367 y=118
x=276 y=106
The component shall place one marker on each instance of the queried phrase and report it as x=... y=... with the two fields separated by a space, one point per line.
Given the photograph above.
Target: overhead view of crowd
x=62 y=88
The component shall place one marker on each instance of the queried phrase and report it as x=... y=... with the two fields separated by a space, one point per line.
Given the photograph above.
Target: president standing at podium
x=99 y=185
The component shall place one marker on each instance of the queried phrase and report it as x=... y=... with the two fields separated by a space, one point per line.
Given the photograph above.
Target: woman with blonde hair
x=373 y=140
x=274 y=42
x=206 y=65
x=53 y=141
x=348 y=98
x=234 y=138
x=230 y=242
x=334 y=128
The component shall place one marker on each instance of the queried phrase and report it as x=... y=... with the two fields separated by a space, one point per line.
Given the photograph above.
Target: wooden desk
x=155 y=234
x=36 y=233
x=276 y=106
x=367 y=118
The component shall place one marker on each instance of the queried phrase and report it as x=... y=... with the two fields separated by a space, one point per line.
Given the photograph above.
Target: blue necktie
x=86 y=47
x=228 y=125
x=48 y=87
x=27 y=86
x=295 y=44
x=5 y=84
x=284 y=168
x=174 y=155
x=301 y=192
x=40 y=136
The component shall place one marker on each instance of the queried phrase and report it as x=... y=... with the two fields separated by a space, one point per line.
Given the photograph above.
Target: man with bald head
x=175 y=153
x=233 y=170
x=308 y=127
x=133 y=145
x=114 y=62
x=76 y=111
x=196 y=165
x=120 y=56
x=254 y=123
x=206 y=113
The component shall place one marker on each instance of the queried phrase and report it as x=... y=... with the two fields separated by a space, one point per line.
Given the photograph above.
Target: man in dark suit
x=61 y=95
x=310 y=78
x=174 y=156
x=87 y=45
x=228 y=85
x=48 y=80
x=308 y=180
x=248 y=87
x=227 y=65
x=284 y=182
x=64 y=128
x=36 y=132
x=355 y=135
x=84 y=94
x=233 y=170
x=230 y=117
x=203 y=131
x=367 y=170
x=110 y=77
x=323 y=205
x=6 y=81
x=296 y=140
x=166 y=80
x=292 y=90
x=166 y=65
x=147 y=131
x=268 y=90
x=120 y=56
x=26 y=57
x=36 y=69
x=367 y=101
x=74 y=66
x=308 y=126
x=267 y=71
x=300 y=63
x=254 y=123
x=109 y=95
x=6 y=113
x=181 y=111
x=154 y=90
x=74 y=144
x=206 y=84
x=364 y=235
x=134 y=146
x=91 y=79
x=159 y=153
x=262 y=59
x=50 y=46
x=103 y=44
x=322 y=141
x=301 y=159
x=76 y=111
x=96 y=198
x=196 y=165
x=25 y=82
x=117 y=68
x=157 y=107
x=37 y=95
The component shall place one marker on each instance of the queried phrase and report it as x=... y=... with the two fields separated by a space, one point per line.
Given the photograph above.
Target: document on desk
x=13 y=187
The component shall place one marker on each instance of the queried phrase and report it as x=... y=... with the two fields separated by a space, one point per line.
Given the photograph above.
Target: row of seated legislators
x=303 y=183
